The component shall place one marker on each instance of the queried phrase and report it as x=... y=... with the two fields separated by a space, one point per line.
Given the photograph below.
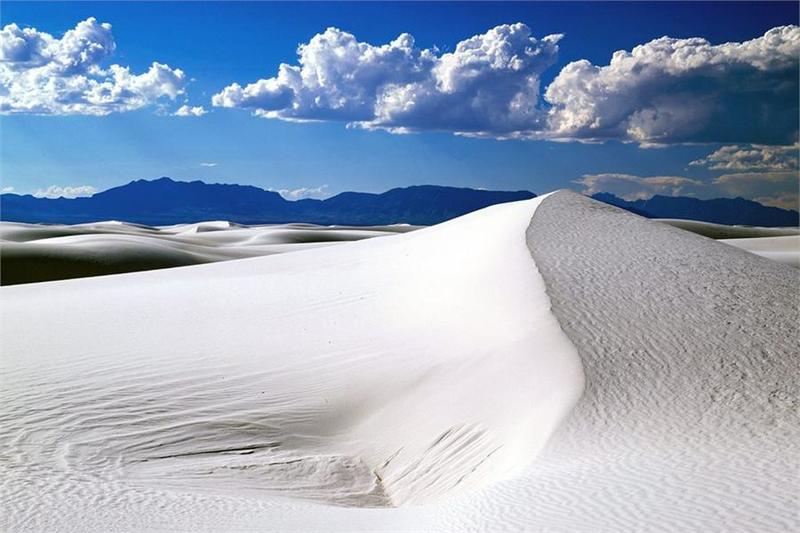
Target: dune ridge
x=549 y=365
x=389 y=372
x=689 y=420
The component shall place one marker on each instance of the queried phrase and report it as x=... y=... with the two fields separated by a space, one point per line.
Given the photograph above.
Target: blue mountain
x=732 y=211
x=166 y=201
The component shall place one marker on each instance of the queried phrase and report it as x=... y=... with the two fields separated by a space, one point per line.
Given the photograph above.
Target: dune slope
x=419 y=382
x=375 y=374
x=785 y=249
x=689 y=421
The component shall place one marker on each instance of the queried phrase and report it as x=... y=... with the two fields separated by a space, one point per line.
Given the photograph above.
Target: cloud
x=662 y=92
x=302 y=192
x=749 y=177
x=488 y=86
x=755 y=157
x=778 y=188
x=56 y=191
x=683 y=90
x=186 y=111
x=41 y=74
x=786 y=201
x=7 y=189
x=630 y=187
x=209 y=164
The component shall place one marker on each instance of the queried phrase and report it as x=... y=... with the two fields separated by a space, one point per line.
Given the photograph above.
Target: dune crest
x=548 y=365
x=386 y=372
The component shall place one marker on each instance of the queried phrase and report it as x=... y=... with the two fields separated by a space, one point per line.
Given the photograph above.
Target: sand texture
x=552 y=365
x=307 y=391
x=689 y=421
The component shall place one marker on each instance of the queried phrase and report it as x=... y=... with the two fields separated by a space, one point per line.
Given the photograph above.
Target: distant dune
x=554 y=364
x=722 y=231
x=32 y=253
x=784 y=249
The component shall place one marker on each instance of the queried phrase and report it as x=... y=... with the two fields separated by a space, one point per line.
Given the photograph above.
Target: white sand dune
x=784 y=250
x=382 y=373
x=722 y=231
x=418 y=382
x=35 y=252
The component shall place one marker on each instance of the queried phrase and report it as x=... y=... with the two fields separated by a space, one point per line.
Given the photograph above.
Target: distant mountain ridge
x=730 y=211
x=166 y=201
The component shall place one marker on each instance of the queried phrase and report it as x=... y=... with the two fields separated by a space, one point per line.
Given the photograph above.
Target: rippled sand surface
x=549 y=365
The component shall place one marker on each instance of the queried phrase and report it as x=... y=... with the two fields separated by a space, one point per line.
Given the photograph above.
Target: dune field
x=554 y=364
x=37 y=252
x=31 y=253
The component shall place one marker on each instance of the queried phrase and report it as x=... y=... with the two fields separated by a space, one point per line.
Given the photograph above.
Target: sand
x=36 y=252
x=690 y=418
x=722 y=231
x=315 y=390
x=548 y=365
x=784 y=250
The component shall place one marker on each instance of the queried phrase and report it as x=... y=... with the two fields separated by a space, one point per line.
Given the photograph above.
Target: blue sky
x=216 y=45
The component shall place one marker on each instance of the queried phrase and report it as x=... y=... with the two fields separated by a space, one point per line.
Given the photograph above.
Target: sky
x=636 y=99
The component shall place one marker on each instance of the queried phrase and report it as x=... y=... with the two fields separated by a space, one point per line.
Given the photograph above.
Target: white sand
x=784 y=250
x=283 y=393
x=722 y=231
x=690 y=417
x=36 y=252
x=314 y=391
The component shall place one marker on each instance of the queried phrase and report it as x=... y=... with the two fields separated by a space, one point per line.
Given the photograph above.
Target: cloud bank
x=684 y=90
x=56 y=191
x=630 y=187
x=770 y=174
x=41 y=74
x=488 y=86
x=752 y=158
x=662 y=92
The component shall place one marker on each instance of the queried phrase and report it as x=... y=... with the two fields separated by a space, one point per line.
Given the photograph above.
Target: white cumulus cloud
x=303 y=192
x=683 y=90
x=42 y=74
x=662 y=92
x=754 y=157
x=186 y=111
x=488 y=86
x=56 y=191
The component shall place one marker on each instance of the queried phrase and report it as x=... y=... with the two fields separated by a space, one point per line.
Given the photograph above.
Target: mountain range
x=731 y=211
x=166 y=201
